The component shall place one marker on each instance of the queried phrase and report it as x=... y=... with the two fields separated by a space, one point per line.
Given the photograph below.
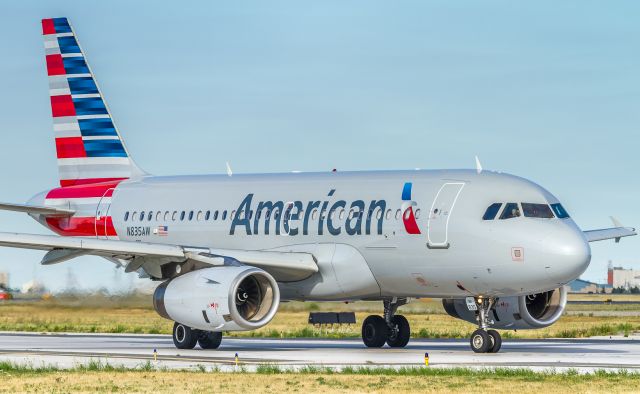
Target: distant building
x=4 y=280
x=626 y=278
x=586 y=287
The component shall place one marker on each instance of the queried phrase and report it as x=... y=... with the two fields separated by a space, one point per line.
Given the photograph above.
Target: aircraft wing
x=284 y=266
x=609 y=233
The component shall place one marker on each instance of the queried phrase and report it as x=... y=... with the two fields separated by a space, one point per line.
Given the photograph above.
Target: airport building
x=626 y=278
x=4 y=280
x=586 y=287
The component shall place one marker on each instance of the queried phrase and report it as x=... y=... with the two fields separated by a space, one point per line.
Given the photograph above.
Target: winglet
x=229 y=172
x=616 y=222
x=478 y=166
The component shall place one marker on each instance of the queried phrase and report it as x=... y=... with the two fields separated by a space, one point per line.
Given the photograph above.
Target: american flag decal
x=162 y=231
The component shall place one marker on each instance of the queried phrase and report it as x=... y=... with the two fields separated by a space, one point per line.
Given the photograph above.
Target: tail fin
x=88 y=145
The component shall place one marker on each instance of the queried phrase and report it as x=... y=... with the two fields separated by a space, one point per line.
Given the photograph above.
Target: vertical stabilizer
x=88 y=145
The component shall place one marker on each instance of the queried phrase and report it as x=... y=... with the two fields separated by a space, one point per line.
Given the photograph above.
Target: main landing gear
x=392 y=329
x=484 y=340
x=186 y=337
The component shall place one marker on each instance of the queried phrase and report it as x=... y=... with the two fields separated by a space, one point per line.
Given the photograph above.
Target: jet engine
x=521 y=312
x=229 y=298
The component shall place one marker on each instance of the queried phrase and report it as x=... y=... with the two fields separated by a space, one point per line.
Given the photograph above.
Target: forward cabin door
x=103 y=223
x=440 y=213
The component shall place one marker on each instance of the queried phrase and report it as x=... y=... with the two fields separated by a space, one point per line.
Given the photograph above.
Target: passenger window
x=418 y=213
x=388 y=214
x=174 y=216
x=398 y=214
x=158 y=216
x=215 y=215
x=150 y=216
x=224 y=215
x=142 y=216
x=492 y=211
x=190 y=215
x=536 y=210
x=559 y=210
x=511 y=210
x=126 y=216
x=207 y=215
x=182 y=215
x=166 y=216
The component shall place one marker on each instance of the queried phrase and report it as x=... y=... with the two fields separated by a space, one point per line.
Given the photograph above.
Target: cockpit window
x=536 y=210
x=511 y=210
x=492 y=211
x=559 y=210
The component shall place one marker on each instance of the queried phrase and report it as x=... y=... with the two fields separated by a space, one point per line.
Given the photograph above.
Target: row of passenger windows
x=530 y=210
x=174 y=216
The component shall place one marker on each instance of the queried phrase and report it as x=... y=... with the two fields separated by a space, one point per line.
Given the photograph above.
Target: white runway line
x=69 y=350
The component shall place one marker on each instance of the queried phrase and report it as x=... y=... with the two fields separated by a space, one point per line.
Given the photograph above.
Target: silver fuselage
x=364 y=253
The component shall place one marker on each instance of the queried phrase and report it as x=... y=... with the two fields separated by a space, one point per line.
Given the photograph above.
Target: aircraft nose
x=571 y=255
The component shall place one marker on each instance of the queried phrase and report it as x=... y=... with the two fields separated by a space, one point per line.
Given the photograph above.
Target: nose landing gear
x=392 y=329
x=484 y=340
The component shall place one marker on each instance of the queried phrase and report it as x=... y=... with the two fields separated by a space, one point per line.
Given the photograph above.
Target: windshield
x=492 y=211
x=536 y=210
x=511 y=210
x=559 y=211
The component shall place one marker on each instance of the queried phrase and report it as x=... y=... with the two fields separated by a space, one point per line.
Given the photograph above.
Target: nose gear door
x=440 y=213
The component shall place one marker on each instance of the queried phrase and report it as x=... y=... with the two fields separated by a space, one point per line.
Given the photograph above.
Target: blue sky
x=546 y=90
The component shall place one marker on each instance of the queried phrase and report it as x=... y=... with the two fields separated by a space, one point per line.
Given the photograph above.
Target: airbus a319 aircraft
x=227 y=249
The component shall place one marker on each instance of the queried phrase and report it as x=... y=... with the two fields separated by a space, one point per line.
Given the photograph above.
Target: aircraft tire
x=496 y=341
x=480 y=341
x=209 y=339
x=403 y=333
x=374 y=331
x=184 y=337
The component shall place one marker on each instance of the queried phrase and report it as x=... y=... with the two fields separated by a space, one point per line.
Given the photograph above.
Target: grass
x=428 y=320
x=102 y=377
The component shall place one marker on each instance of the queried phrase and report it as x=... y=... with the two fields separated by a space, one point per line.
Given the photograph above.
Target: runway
x=69 y=350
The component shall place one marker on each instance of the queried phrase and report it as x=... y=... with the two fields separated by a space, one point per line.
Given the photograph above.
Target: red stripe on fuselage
x=83 y=191
x=55 y=65
x=82 y=226
x=62 y=106
x=87 y=181
x=48 y=27
x=70 y=147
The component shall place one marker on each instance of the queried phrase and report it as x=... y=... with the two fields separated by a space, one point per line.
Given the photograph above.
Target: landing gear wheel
x=480 y=341
x=496 y=341
x=374 y=331
x=209 y=339
x=400 y=333
x=184 y=337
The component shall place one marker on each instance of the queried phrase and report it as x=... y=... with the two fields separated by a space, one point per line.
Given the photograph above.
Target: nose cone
x=569 y=254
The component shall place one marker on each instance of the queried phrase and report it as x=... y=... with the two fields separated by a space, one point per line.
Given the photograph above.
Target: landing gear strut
x=392 y=329
x=484 y=340
x=186 y=337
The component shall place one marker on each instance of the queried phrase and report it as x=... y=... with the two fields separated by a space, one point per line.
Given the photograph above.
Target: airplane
x=227 y=249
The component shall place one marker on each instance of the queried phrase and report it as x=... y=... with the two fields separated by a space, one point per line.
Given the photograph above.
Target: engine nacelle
x=521 y=313
x=230 y=298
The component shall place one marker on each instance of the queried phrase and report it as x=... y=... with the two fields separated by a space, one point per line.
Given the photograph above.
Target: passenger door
x=440 y=213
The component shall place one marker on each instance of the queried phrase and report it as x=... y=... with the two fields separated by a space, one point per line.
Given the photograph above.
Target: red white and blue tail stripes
x=88 y=145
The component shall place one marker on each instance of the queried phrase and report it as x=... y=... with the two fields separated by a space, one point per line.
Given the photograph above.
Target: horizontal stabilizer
x=37 y=210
